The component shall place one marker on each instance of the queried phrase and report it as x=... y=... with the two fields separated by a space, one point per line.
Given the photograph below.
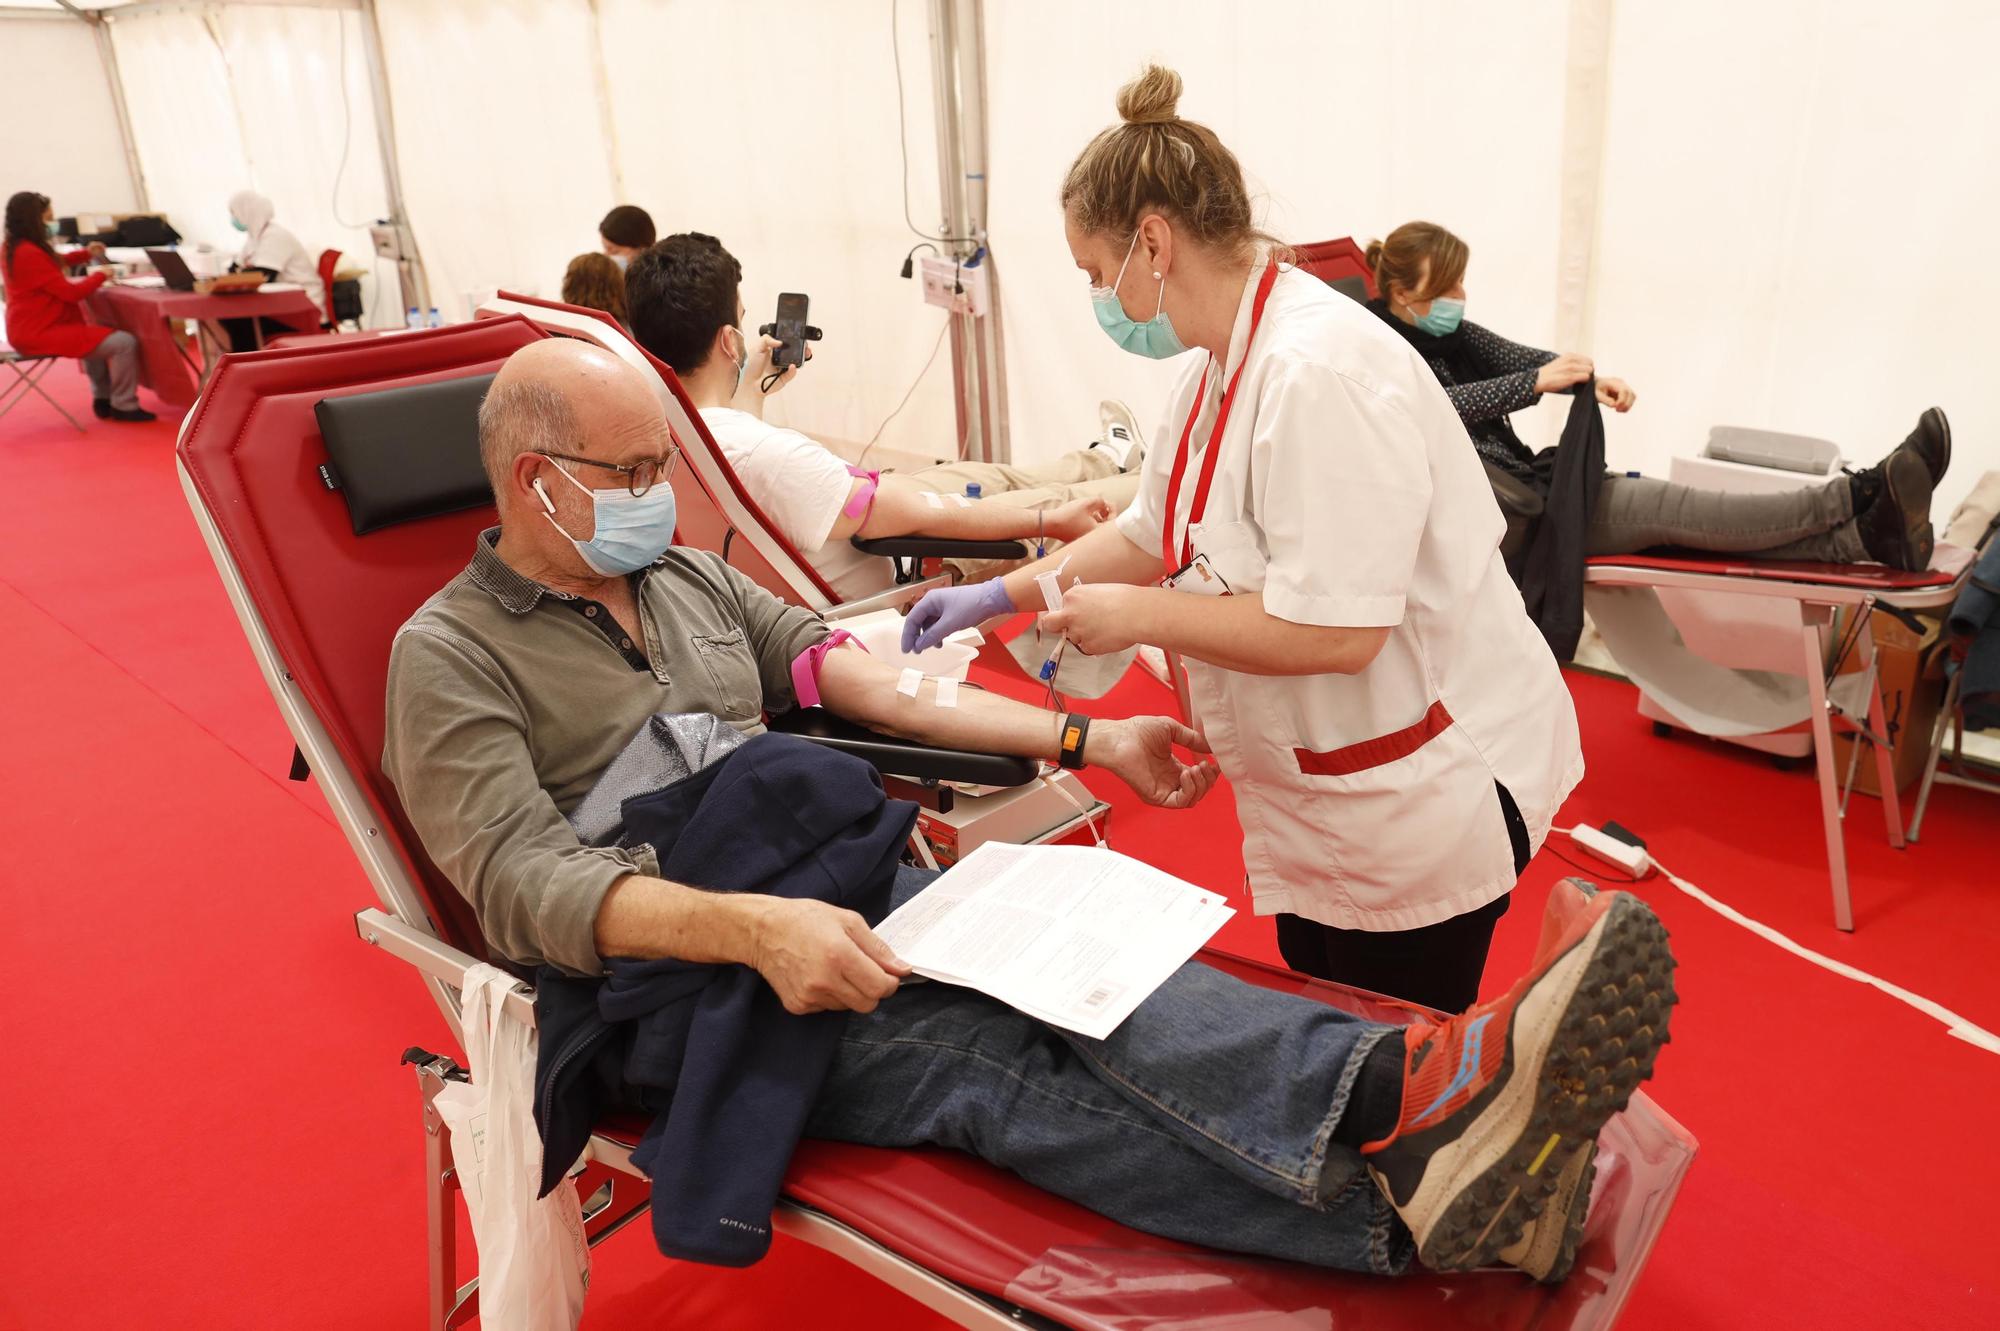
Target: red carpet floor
x=210 y=1130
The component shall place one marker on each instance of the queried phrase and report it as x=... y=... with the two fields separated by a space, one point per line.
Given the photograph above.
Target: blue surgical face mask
x=629 y=531
x=1155 y=338
x=621 y=260
x=237 y=222
x=1444 y=316
x=54 y=230
x=742 y=361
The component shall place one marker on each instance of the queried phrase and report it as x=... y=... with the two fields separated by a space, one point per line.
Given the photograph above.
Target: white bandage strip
x=912 y=680
x=934 y=499
x=947 y=691
x=961 y=501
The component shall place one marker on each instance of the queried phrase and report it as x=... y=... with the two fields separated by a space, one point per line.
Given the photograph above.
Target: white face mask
x=629 y=531
x=621 y=261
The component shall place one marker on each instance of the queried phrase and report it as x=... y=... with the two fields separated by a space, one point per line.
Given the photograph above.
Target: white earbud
x=547 y=503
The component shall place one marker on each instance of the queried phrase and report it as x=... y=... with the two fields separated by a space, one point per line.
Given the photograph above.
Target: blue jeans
x=1207 y=1117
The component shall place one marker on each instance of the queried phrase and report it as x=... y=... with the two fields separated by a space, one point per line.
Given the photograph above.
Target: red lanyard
x=1199 y=504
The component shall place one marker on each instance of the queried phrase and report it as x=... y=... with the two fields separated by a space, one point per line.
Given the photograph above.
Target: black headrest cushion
x=406 y=453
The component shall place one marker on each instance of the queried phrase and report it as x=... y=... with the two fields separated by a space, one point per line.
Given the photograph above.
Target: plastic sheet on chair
x=1139 y=1289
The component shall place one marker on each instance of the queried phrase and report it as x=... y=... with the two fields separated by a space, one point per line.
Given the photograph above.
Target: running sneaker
x=1118 y=434
x=1548 y=1244
x=1500 y=1103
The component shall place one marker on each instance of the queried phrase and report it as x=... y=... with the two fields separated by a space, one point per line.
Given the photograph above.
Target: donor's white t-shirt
x=801 y=486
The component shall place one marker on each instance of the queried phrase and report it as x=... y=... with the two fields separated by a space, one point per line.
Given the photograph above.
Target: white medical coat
x=1347 y=491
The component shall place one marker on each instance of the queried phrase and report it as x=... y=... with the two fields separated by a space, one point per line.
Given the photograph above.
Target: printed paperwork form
x=1075 y=936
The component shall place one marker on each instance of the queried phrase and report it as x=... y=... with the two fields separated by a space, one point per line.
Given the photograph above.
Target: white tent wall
x=1797 y=225
x=231 y=97
x=503 y=161
x=1786 y=242
x=184 y=121
x=287 y=74
x=1348 y=119
x=78 y=160
x=778 y=136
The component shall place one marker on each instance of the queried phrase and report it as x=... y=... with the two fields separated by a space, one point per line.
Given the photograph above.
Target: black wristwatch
x=1075 y=730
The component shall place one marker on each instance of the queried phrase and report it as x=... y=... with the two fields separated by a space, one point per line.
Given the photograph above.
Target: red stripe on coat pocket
x=1378 y=751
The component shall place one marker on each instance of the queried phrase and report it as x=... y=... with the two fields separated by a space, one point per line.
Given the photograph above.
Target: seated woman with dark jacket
x=45 y=310
x=1881 y=514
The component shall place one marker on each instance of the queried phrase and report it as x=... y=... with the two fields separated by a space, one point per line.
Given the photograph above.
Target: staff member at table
x=45 y=309
x=271 y=250
x=1317 y=540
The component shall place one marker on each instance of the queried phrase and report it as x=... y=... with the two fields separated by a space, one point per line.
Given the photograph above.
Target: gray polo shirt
x=507 y=700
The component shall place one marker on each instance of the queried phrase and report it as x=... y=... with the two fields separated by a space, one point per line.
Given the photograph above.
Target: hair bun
x=1373 y=256
x=1151 y=98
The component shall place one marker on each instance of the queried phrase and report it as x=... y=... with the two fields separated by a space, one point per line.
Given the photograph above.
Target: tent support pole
x=410 y=267
x=958 y=85
x=108 y=56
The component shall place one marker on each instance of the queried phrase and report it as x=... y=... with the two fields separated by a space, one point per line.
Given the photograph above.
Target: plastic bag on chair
x=534 y=1261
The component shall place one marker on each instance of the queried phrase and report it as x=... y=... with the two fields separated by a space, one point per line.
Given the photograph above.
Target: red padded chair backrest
x=330 y=600
x=329 y=260
x=704 y=515
x=1331 y=259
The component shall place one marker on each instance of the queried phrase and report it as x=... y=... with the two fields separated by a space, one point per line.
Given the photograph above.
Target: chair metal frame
x=1817 y=603
x=28 y=381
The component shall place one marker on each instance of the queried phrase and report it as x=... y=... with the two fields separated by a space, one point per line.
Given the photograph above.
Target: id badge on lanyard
x=1180 y=555
x=1199 y=577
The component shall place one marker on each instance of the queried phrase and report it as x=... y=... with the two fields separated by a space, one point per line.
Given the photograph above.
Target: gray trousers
x=114 y=371
x=1814 y=523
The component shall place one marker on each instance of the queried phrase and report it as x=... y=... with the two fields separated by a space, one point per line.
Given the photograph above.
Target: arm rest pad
x=906 y=758
x=938 y=547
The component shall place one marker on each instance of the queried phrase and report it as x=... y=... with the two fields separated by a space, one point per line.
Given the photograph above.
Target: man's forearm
x=855 y=685
x=653 y=918
x=902 y=508
x=1238 y=633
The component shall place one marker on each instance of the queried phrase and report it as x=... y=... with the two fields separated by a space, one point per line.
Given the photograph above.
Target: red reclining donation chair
x=716 y=510
x=320 y=605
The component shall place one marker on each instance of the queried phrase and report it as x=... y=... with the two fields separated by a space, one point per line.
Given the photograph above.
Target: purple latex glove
x=949 y=609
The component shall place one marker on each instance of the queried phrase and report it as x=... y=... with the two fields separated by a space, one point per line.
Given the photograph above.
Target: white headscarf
x=254 y=211
x=267 y=245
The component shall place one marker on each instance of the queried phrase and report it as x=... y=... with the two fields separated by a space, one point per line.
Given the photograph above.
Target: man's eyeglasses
x=639 y=476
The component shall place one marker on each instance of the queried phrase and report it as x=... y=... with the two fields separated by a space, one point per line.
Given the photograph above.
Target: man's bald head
x=561 y=395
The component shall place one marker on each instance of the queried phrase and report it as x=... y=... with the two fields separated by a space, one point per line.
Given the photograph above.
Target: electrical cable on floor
x=1957 y=1025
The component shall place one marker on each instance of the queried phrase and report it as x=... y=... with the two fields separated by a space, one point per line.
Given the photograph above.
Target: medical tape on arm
x=862 y=500
x=806 y=665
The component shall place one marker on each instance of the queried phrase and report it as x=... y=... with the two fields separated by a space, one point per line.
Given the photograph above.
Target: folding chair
x=28 y=380
x=719 y=513
x=319 y=607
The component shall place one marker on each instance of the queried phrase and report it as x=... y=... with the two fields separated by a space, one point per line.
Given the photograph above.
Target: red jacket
x=45 y=308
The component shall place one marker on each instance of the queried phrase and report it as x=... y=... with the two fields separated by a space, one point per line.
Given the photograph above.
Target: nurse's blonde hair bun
x=1151 y=98
x=1156 y=162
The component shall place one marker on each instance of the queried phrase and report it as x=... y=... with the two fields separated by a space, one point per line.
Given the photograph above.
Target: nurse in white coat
x=275 y=250
x=1314 y=537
